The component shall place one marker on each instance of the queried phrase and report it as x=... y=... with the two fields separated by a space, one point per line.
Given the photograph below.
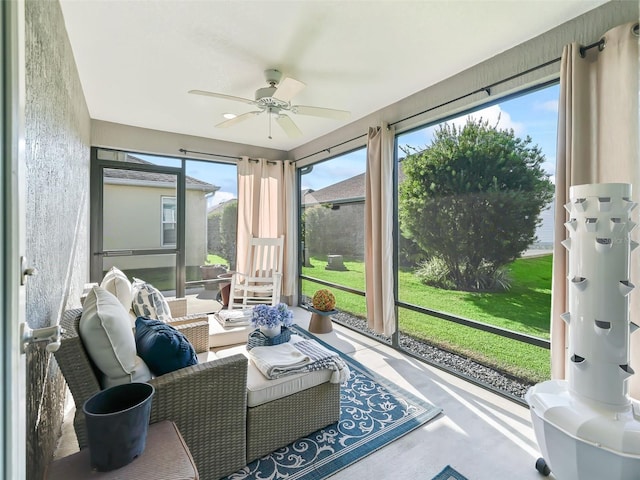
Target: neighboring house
x=140 y=213
x=339 y=230
x=346 y=201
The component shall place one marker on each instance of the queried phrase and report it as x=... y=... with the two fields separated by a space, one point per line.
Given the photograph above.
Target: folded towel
x=303 y=356
x=322 y=358
x=273 y=360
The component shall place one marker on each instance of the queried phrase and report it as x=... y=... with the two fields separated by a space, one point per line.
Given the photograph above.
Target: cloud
x=495 y=116
x=548 y=106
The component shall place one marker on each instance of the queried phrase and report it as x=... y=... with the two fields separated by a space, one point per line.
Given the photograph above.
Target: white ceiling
x=138 y=59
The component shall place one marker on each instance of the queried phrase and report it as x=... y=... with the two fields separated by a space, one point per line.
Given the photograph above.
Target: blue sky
x=534 y=114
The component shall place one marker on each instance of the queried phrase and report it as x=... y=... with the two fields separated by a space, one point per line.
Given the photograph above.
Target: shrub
x=436 y=273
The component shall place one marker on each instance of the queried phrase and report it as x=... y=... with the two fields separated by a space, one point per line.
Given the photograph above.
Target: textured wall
x=57 y=132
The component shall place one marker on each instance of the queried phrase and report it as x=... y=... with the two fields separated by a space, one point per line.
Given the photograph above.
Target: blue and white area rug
x=448 y=473
x=373 y=413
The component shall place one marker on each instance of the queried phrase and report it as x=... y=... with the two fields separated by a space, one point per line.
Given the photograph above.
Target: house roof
x=138 y=176
x=220 y=206
x=350 y=190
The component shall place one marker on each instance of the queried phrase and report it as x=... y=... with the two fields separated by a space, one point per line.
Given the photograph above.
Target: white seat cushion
x=262 y=390
x=118 y=284
x=106 y=334
x=141 y=373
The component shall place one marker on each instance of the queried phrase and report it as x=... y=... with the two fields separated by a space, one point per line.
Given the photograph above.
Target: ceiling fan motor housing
x=273 y=76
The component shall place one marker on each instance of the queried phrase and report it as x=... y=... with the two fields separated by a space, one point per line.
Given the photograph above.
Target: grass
x=216 y=260
x=524 y=308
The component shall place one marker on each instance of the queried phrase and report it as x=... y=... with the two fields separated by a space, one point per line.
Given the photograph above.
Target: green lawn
x=524 y=308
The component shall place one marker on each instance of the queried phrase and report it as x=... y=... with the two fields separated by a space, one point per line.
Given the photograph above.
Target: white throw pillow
x=106 y=332
x=118 y=284
x=149 y=302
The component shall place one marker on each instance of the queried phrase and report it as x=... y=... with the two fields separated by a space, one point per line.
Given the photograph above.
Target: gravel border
x=463 y=365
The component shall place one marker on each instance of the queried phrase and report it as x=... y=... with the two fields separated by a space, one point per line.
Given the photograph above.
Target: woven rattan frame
x=277 y=423
x=208 y=402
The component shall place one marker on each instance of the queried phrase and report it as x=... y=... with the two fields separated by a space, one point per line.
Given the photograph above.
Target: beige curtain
x=378 y=211
x=289 y=213
x=597 y=143
x=266 y=208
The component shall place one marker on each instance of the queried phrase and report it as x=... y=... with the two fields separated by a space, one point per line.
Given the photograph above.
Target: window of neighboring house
x=169 y=221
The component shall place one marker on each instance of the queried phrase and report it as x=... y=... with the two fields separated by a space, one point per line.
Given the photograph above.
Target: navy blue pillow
x=162 y=347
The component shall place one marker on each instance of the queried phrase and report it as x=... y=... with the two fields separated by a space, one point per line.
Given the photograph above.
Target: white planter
x=271 y=331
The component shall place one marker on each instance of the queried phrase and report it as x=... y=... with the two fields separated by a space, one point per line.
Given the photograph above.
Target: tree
x=221 y=232
x=228 y=232
x=472 y=199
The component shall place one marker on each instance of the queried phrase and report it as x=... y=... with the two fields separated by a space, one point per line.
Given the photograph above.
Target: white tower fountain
x=587 y=427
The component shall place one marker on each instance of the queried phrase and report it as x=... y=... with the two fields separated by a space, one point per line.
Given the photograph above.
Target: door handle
x=51 y=335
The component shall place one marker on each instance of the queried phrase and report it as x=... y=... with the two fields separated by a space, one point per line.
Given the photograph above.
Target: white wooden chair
x=262 y=280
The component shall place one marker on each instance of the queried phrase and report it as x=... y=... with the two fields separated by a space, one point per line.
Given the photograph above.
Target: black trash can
x=117 y=422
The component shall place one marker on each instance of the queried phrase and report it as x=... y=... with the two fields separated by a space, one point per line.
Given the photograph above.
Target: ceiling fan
x=275 y=100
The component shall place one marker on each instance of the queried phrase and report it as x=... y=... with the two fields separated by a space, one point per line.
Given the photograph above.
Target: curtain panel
x=597 y=143
x=266 y=209
x=379 y=230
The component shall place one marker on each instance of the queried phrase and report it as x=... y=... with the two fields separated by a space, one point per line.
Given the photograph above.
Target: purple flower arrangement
x=271 y=316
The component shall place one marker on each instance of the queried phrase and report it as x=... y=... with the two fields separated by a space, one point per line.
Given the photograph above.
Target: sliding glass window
x=332 y=231
x=168 y=221
x=475 y=216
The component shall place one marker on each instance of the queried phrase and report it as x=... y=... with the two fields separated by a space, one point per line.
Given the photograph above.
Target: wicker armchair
x=194 y=326
x=207 y=401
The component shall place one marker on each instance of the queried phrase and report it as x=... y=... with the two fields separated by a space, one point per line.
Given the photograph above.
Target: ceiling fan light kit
x=275 y=99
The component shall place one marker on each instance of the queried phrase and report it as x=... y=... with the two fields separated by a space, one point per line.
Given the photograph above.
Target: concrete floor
x=482 y=435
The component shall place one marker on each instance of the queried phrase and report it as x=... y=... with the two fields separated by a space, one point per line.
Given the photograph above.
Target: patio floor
x=481 y=434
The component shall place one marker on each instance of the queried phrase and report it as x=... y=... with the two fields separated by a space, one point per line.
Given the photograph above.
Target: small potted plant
x=323 y=305
x=270 y=320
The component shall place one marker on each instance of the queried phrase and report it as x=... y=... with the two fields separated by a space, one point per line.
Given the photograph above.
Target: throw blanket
x=304 y=356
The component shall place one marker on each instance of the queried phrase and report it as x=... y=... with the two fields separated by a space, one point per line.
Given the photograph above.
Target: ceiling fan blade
x=290 y=128
x=321 y=112
x=288 y=88
x=223 y=96
x=238 y=119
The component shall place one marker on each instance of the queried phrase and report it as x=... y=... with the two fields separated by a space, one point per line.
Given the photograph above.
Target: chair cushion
x=162 y=347
x=118 y=284
x=149 y=302
x=261 y=390
x=106 y=332
x=141 y=373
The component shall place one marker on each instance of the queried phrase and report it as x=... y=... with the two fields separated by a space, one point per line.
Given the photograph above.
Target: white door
x=12 y=307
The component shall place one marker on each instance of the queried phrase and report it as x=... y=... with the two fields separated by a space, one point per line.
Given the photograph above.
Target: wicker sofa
x=208 y=401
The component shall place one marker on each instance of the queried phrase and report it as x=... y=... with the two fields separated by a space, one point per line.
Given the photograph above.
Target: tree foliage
x=221 y=232
x=473 y=199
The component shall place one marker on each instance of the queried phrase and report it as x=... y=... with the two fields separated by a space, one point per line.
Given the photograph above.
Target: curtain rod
x=328 y=150
x=600 y=44
x=182 y=150
x=269 y=162
x=486 y=89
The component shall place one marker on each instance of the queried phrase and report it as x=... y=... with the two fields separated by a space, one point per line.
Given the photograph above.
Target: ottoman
x=220 y=336
x=282 y=410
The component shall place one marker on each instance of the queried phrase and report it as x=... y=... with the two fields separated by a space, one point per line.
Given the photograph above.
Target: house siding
x=132 y=219
x=57 y=132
